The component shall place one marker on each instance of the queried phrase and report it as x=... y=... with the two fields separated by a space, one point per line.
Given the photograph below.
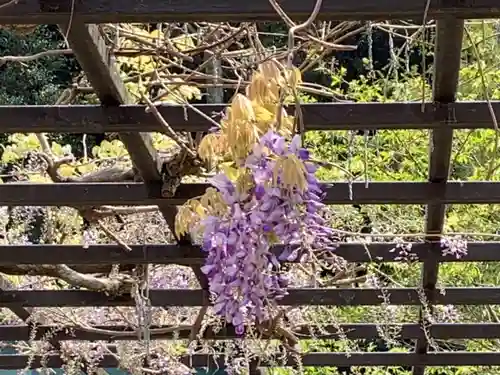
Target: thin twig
x=169 y=131
x=113 y=236
x=8 y=4
x=23 y=59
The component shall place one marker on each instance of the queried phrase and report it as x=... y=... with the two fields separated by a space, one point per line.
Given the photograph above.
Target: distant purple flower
x=455 y=246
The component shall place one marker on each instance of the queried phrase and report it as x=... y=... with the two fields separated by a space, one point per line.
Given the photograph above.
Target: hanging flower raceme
x=267 y=195
x=280 y=205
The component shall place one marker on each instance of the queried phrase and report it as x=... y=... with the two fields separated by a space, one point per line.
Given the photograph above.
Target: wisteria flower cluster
x=268 y=194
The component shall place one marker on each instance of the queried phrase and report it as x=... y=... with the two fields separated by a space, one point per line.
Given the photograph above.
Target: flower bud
x=241 y=109
x=270 y=70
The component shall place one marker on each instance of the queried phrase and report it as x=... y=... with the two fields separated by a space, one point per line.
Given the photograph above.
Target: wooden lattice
x=443 y=115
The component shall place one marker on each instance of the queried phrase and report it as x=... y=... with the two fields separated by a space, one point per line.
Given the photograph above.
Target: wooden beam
x=339 y=359
x=123 y=11
x=448 y=50
x=355 y=331
x=91 y=51
x=138 y=194
x=93 y=55
x=295 y=297
x=25 y=313
x=101 y=255
x=21 y=312
x=317 y=116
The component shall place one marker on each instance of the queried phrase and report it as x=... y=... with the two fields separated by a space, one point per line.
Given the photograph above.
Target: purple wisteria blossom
x=243 y=273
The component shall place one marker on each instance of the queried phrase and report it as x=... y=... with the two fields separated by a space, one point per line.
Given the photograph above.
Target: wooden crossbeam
x=137 y=194
x=25 y=313
x=21 y=312
x=93 y=55
x=317 y=116
x=449 y=36
x=339 y=359
x=122 y=11
x=295 y=297
x=100 y=255
x=355 y=331
x=90 y=49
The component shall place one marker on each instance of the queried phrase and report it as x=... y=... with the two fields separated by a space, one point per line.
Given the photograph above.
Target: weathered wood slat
x=133 y=194
x=357 y=331
x=13 y=362
x=296 y=297
x=122 y=11
x=93 y=54
x=317 y=116
x=449 y=34
x=192 y=255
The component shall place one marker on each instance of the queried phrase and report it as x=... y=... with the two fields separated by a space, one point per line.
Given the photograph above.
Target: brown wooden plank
x=447 y=61
x=317 y=116
x=121 y=11
x=296 y=297
x=25 y=314
x=444 y=331
x=93 y=54
x=133 y=194
x=21 y=312
x=192 y=255
x=14 y=362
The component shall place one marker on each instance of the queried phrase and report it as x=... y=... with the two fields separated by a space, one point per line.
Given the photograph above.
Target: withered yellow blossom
x=248 y=117
x=254 y=114
x=188 y=216
x=292 y=173
x=271 y=69
x=213 y=203
x=241 y=109
x=213 y=147
x=194 y=210
x=244 y=182
x=257 y=89
x=294 y=78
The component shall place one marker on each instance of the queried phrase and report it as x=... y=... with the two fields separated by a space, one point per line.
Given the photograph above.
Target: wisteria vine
x=267 y=195
x=280 y=207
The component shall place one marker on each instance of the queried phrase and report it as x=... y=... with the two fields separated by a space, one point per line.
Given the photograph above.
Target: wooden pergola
x=115 y=114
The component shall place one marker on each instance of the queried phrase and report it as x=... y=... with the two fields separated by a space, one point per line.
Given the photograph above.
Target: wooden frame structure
x=443 y=115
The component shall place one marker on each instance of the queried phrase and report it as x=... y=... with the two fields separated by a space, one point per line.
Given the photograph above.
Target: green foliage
x=403 y=156
x=38 y=81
